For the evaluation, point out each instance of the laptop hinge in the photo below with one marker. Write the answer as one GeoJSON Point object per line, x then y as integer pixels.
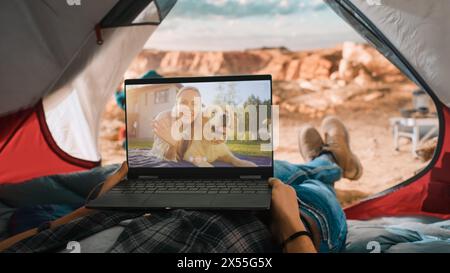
{"type": "Point", "coordinates": [250, 177]}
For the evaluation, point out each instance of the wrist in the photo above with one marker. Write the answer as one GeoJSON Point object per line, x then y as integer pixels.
{"type": "Point", "coordinates": [291, 227]}
{"type": "Point", "coordinates": [299, 242]}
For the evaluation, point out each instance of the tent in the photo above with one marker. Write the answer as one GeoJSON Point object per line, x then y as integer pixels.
{"type": "Point", "coordinates": [61, 61]}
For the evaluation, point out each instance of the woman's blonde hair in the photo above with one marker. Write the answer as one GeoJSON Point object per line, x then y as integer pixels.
{"type": "Point", "coordinates": [183, 145]}
{"type": "Point", "coordinates": [187, 88]}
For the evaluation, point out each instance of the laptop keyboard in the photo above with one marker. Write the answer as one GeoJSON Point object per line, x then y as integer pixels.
{"type": "Point", "coordinates": [142, 186]}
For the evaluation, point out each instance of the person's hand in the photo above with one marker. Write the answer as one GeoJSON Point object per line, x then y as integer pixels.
{"type": "Point", "coordinates": [284, 210]}
{"type": "Point", "coordinates": [115, 178]}
{"type": "Point", "coordinates": [162, 128]}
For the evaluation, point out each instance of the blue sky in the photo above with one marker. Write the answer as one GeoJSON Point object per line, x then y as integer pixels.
{"type": "Point", "coordinates": [243, 24]}
{"type": "Point", "coordinates": [243, 90]}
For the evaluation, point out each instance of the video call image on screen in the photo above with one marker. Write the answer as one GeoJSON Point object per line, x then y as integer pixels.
{"type": "Point", "coordinates": [201, 124]}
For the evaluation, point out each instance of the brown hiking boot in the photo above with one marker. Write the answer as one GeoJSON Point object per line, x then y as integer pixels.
{"type": "Point", "coordinates": [310, 142]}
{"type": "Point", "coordinates": [337, 142]}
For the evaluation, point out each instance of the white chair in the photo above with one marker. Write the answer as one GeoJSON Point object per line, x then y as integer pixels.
{"type": "Point", "coordinates": [418, 130]}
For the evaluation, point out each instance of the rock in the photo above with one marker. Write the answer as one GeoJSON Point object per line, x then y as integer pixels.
{"type": "Point", "coordinates": [293, 70]}
{"type": "Point", "coordinates": [360, 56]}
{"type": "Point", "coordinates": [425, 151]}
{"type": "Point", "coordinates": [208, 63]}
{"type": "Point", "coordinates": [308, 85]}
{"type": "Point", "coordinates": [394, 78]}
{"type": "Point", "coordinates": [342, 63]}
{"type": "Point", "coordinates": [290, 107]}
{"type": "Point", "coordinates": [335, 75]}
{"type": "Point", "coordinates": [276, 99]}
{"type": "Point", "coordinates": [363, 79]}
{"type": "Point", "coordinates": [346, 71]}
{"type": "Point", "coordinates": [341, 83]}
{"type": "Point", "coordinates": [315, 67]}
{"type": "Point", "coordinates": [277, 65]}
{"type": "Point", "coordinates": [356, 53]}
{"type": "Point", "coordinates": [373, 96]}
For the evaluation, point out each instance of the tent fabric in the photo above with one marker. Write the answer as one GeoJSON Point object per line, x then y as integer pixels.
{"type": "Point", "coordinates": [40, 40]}
{"type": "Point", "coordinates": [47, 43]}
{"type": "Point", "coordinates": [399, 235]}
{"type": "Point", "coordinates": [56, 79]}
{"type": "Point", "coordinates": [78, 105]}
{"type": "Point", "coordinates": [420, 31]}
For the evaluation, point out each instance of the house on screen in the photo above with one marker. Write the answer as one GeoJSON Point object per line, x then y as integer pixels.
{"type": "Point", "coordinates": [144, 103]}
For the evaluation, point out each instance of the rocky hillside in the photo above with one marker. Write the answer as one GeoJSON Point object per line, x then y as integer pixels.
{"type": "Point", "coordinates": [307, 82]}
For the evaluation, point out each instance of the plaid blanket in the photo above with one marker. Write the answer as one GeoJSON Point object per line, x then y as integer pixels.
{"type": "Point", "coordinates": [170, 231]}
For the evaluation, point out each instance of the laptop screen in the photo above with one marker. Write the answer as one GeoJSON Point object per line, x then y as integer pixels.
{"type": "Point", "coordinates": [199, 123]}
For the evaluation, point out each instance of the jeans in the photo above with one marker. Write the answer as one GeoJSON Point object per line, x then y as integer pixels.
{"type": "Point", "coordinates": [314, 184]}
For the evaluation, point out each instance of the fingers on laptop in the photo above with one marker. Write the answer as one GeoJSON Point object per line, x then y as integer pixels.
{"type": "Point", "coordinates": [274, 182]}
{"type": "Point", "coordinates": [123, 168]}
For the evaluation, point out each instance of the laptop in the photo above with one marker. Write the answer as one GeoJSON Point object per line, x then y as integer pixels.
{"type": "Point", "coordinates": [202, 143]}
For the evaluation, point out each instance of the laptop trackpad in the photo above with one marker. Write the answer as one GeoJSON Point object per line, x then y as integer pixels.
{"type": "Point", "coordinates": [233, 201]}
{"type": "Point", "coordinates": [178, 201]}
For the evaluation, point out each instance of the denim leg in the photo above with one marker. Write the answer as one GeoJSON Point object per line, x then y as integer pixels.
{"type": "Point", "coordinates": [322, 168]}
{"type": "Point", "coordinates": [314, 185]}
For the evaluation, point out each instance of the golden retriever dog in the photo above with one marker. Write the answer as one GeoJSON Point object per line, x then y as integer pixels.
{"type": "Point", "coordinates": [202, 153]}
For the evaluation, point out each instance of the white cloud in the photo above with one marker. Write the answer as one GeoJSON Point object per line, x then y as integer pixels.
{"type": "Point", "coordinates": [250, 24]}
{"type": "Point", "coordinates": [243, 8]}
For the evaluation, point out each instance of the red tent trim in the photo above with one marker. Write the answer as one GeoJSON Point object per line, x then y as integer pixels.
{"type": "Point", "coordinates": [28, 149]}
{"type": "Point", "coordinates": [10, 126]}
{"type": "Point", "coordinates": [87, 164]}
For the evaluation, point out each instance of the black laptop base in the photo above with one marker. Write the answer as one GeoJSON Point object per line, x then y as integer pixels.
{"type": "Point", "coordinates": [182, 201]}
{"type": "Point", "coordinates": [142, 194]}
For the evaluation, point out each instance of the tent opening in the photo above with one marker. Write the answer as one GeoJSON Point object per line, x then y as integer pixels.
{"type": "Point", "coordinates": [396, 127]}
